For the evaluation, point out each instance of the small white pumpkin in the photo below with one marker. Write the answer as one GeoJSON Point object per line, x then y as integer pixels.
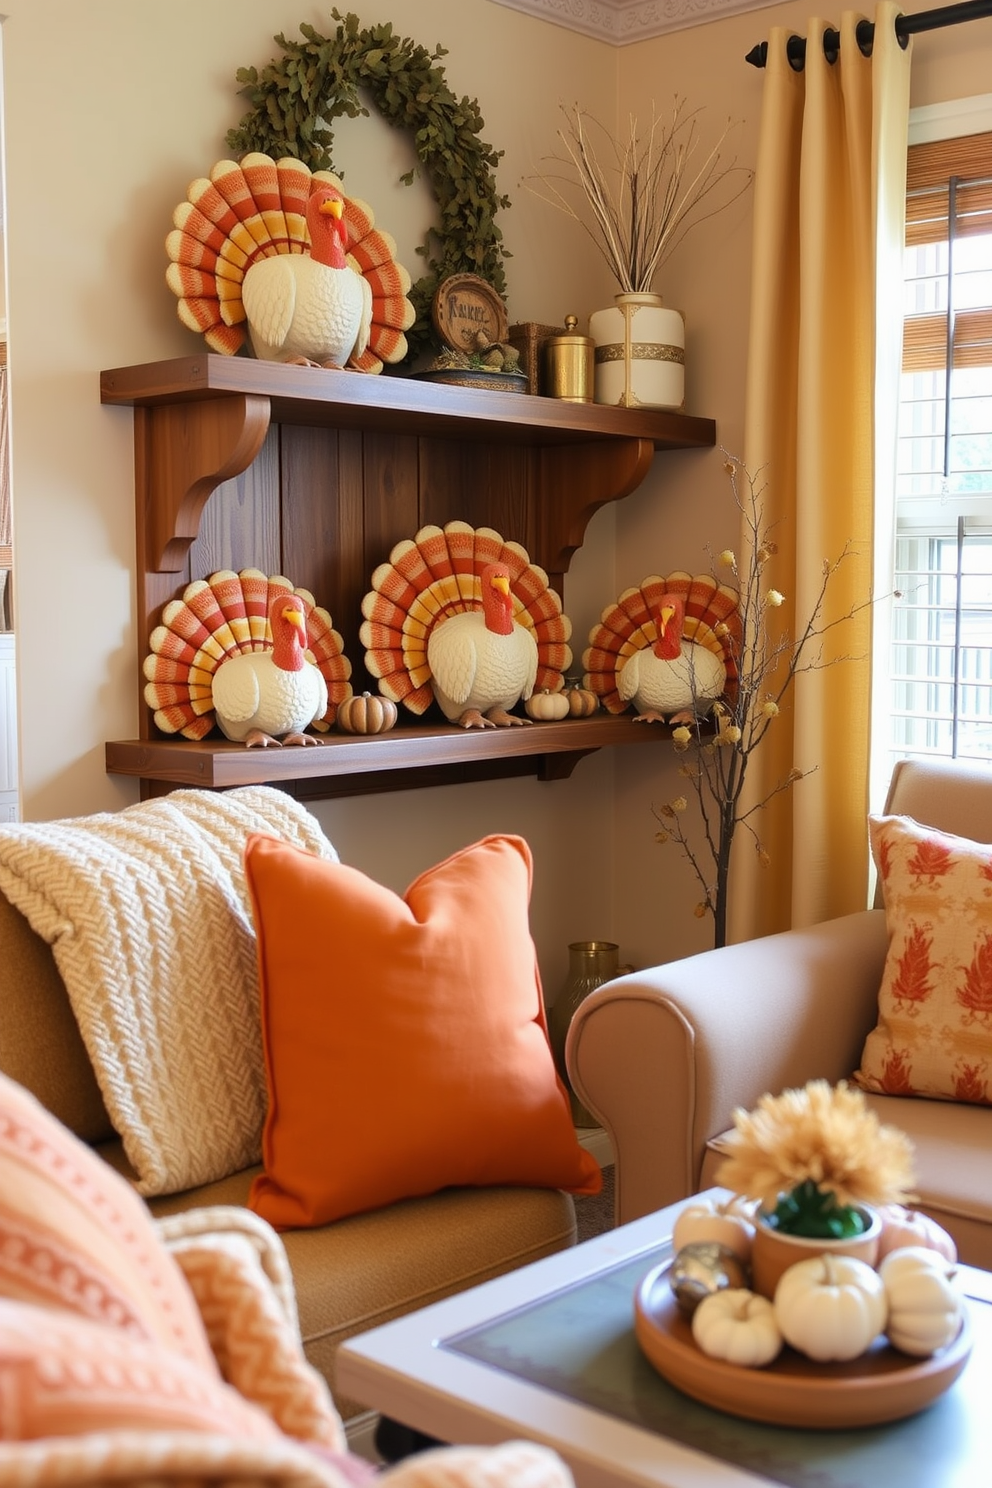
{"type": "Point", "coordinates": [901, 1226]}
{"type": "Point", "coordinates": [739, 1326]}
{"type": "Point", "coordinates": [720, 1223]}
{"type": "Point", "coordinates": [830, 1307]}
{"type": "Point", "coordinates": [925, 1308]}
{"type": "Point", "coordinates": [546, 706]}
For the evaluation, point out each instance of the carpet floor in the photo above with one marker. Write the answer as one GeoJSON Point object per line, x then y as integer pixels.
{"type": "Point", "coordinates": [594, 1216]}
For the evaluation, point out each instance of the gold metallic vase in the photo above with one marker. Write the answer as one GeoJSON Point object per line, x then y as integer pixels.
{"type": "Point", "coordinates": [590, 964]}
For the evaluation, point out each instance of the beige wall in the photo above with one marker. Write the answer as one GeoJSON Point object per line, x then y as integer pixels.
{"type": "Point", "coordinates": [103, 132]}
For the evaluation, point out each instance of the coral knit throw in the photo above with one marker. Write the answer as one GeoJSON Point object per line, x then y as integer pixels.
{"type": "Point", "coordinates": [148, 917]}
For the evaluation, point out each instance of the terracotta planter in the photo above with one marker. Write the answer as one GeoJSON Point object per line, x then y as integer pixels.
{"type": "Point", "coordinates": [773, 1252]}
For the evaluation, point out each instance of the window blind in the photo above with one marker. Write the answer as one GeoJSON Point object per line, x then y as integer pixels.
{"type": "Point", "coordinates": [941, 642]}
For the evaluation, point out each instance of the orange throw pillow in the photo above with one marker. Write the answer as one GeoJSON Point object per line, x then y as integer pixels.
{"type": "Point", "coordinates": [405, 1040]}
{"type": "Point", "coordinates": [934, 1033]}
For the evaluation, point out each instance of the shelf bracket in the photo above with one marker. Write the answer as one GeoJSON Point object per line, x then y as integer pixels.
{"type": "Point", "coordinates": [576, 481]}
{"type": "Point", "coordinates": [182, 452]}
{"type": "Point", "coordinates": [560, 766]}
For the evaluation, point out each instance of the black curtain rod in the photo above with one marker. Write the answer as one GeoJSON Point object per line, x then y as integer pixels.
{"type": "Point", "coordinates": [906, 26]}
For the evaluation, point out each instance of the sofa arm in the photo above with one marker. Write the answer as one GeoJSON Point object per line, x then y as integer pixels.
{"type": "Point", "coordinates": [662, 1057]}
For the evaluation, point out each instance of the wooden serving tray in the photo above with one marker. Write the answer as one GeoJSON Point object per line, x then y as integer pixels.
{"type": "Point", "coordinates": [881, 1385]}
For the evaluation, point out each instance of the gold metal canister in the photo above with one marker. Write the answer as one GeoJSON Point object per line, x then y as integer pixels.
{"type": "Point", "coordinates": [569, 366]}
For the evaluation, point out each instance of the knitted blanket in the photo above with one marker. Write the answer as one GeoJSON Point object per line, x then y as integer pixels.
{"type": "Point", "coordinates": [271, 1424]}
{"type": "Point", "coordinates": [149, 919]}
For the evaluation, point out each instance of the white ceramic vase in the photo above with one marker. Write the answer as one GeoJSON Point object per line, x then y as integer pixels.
{"type": "Point", "coordinates": [640, 353]}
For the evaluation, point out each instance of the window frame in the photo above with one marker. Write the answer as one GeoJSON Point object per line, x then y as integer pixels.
{"type": "Point", "coordinates": [932, 529]}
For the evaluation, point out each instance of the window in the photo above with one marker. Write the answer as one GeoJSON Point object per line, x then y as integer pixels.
{"type": "Point", "coordinates": [941, 648]}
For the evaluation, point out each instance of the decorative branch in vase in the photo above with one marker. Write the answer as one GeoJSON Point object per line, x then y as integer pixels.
{"type": "Point", "coordinates": [639, 204]}
{"type": "Point", "coordinates": [768, 661]}
{"type": "Point", "coordinates": [637, 197]}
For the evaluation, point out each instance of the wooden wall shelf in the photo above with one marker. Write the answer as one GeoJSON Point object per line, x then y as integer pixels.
{"type": "Point", "coordinates": [349, 465]}
{"type": "Point", "coordinates": [342, 763]}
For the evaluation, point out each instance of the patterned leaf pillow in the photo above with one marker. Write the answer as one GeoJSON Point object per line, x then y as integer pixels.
{"type": "Point", "coordinates": [934, 1032]}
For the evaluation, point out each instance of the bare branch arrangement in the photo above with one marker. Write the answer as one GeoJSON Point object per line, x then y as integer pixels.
{"type": "Point", "coordinates": [768, 662]}
{"type": "Point", "coordinates": [643, 194]}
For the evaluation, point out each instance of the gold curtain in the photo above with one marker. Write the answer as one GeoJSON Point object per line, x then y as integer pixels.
{"type": "Point", "coordinates": [832, 150]}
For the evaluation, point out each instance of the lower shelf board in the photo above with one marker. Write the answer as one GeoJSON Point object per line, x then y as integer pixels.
{"type": "Point", "coordinates": [412, 755]}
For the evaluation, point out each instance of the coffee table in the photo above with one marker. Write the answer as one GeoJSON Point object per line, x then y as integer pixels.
{"type": "Point", "coordinates": [548, 1353]}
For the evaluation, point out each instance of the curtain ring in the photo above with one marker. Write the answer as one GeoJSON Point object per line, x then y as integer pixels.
{"type": "Point", "coordinates": [795, 51]}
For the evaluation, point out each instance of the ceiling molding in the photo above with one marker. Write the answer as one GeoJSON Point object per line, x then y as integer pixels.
{"type": "Point", "coordinates": [621, 22]}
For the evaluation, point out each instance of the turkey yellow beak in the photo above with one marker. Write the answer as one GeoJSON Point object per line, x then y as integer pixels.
{"type": "Point", "coordinates": [332, 208]}
{"type": "Point", "coordinates": [295, 617]}
{"type": "Point", "coordinates": [501, 582]}
{"type": "Point", "coordinates": [667, 612]}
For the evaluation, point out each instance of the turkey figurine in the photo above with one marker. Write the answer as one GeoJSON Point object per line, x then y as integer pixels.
{"type": "Point", "coordinates": [310, 308]}
{"type": "Point", "coordinates": [270, 697]}
{"type": "Point", "coordinates": [667, 647]}
{"type": "Point", "coordinates": [249, 654]}
{"type": "Point", "coordinates": [482, 661]}
{"type": "Point", "coordinates": [461, 618]}
{"type": "Point", "coordinates": [268, 250]}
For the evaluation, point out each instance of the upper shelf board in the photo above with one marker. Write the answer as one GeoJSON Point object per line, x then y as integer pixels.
{"type": "Point", "coordinates": [339, 399]}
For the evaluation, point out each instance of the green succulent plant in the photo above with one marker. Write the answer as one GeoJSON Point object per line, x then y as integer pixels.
{"type": "Point", "coordinates": [808, 1210]}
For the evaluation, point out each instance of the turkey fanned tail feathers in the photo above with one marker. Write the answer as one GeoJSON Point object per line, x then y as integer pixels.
{"type": "Point", "coordinates": [247, 212]}
{"type": "Point", "coordinates": [436, 577]}
{"type": "Point", "coordinates": [621, 645]}
{"type": "Point", "coordinates": [223, 617]}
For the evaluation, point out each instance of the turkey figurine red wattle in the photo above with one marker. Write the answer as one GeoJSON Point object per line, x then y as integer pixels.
{"type": "Point", "coordinates": [669, 680]}
{"type": "Point", "coordinates": [482, 662]}
{"type": "Point", "coordinates": [462, 618]}
{"type": "Point", "coordinates": [667, 646]}
{"type": "Point", "coordinates": [270, 697]}
{"type": "Point", "coordinates": [671, 618]}
{"type": "Point", "coordinates": [310, 308]}
{"type": "Point", "coordinates": [269, 250]}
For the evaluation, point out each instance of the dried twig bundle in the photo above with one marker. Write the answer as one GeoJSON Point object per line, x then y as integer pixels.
{"type": "Point", "coordinates": [768, 661]}
{"type": "Point", "coordinates": [644, 193]}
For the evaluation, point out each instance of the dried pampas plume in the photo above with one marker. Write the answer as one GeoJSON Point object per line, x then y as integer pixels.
{"type": "Point", "coordinates": [825, 1135]}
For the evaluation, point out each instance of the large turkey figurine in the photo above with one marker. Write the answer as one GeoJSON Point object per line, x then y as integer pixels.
{"type": "Point", "coordinates": [482, 661]}
{"type": "Point", "coordinates": [269, 250]}
{"type": "Point", "coordinates": [461, 618]}
{"type": "Point", "coordinates": [271, 697]}
{"type": "Point", "coordinates": [667, 646]}
{"type": "Point", "coordinates": [250, 654]}
{"type": "Point", "coordinates": [311, 308]}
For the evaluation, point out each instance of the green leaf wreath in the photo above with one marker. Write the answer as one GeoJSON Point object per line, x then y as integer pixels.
{"type": "Point", "coordinates": [296, 98]}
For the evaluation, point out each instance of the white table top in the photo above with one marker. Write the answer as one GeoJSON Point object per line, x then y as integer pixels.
{"type": "Point", "coordinates": [411, 1370]}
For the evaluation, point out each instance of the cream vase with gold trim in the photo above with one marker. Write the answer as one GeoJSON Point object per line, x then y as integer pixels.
{"type": "Point", "coordinates": [640, 353]}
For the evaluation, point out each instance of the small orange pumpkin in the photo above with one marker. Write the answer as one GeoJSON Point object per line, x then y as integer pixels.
{"type": "Point", "coordinates": [546, 706]}
{"type": "Point", "coordinates": [366, 714]}
{"type": "Point", "coordinates": [581, 701]}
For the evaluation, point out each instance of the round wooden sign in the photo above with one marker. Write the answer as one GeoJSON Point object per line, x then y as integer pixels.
{"type": "Point", "coordinates": [463, 306]}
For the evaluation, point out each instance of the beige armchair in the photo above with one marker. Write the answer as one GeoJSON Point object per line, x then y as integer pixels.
{"type": "Point", "coordinates": [663, 1056]}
